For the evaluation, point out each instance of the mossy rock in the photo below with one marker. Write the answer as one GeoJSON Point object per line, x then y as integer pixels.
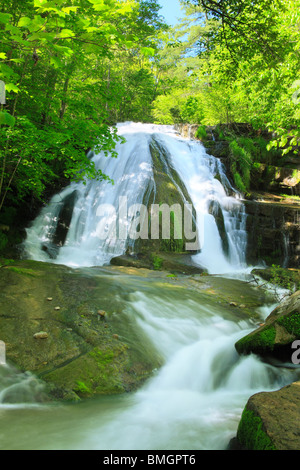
{"type": "Point", "coordinates": [80, 353]}
{"type": "Point", "coordinates": [171, 195]}
{"type": "Point", "coordinates": [270, 420]}
{"type": "Point", "coordinates": [275, 337]}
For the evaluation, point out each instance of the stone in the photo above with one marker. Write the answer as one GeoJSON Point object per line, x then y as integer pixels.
{"type": "Point", "coordinates": [41, 335]}
{"type": "Point", "coordinates": [102, 313]}
{"type": "Point", "coordinates": [270, 420]}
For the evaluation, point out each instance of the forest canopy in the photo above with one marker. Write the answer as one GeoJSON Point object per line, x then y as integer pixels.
{"type": "Point", "coordinates": [74, 68]}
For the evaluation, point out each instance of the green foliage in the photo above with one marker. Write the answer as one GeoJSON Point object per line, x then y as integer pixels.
{"type": "Point", "coordinates": [70, 72]}
{"type": "Point", "coordinates": [201, 133]}
{"type": "Point", "coordinates": [284, 278]}
{"type": "Point", "coordinates": [157, 262]}
{"type": "Point", "coordinates": [239, 62]}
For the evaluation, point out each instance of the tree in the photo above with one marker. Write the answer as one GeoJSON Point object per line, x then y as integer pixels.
{"type": "Point", "coordinates": [58, 63]}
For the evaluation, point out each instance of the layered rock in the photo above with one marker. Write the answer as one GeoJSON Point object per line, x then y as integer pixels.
{"type": "Point", "coordinates": [273, 231]}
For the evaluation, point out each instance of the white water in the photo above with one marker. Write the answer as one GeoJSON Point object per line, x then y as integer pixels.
{"type": "Point", "coordinates": [193, 402]}
{"type": "Point", "coordinates": [133, 177]}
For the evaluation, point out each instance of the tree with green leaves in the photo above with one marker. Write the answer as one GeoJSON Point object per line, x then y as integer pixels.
{"type": "Point", "coordinates": [60, 62]}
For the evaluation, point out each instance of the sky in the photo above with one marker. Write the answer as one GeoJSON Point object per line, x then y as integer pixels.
{"type": "Point", "coordinates": [170, 10]}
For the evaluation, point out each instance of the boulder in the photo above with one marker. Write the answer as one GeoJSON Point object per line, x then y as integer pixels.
{"type": "Point", "coordinates": [270, 421]}
{"type": "Point", "coordinates": [79, 349]}
{"type": "Point", "coordinates": [275, 337]}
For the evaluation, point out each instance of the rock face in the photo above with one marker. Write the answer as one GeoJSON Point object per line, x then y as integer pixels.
{"type": "Point", "coordinates": [270, 420]}
{"type": "Point", "coordinates": [273, 221]}
{"type": "Point", "coordinates": [276, 336]}
{"type": "Point", "coordinates": [273, 231]}
{"type": "Point", "coordinates": [74, 349]}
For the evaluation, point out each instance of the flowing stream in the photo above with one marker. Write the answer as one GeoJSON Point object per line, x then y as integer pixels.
{"type": "Point", "coordinates": [195, 400]}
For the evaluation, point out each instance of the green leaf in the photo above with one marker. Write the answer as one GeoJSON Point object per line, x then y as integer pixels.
{"type": "Point", "coordinates": [24, 22]}
{"type": "Point", "coordinates": [147, 51]}
{"type": "Point", "coordinates": [66, 33]}
{"type": "Point", "coordinates": [12, 87]}
{"type": "Point", "coordinates": [7, 119]}
{"type": "Point", "coordinates": [5, 17]}
{"type": "Point", "coordinates": [69, 9]}
{"type": "Point", "coordinates": [3, 55]}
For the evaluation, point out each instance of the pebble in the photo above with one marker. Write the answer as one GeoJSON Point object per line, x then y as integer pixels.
{"type": "Point", "coordinates": [49, 299]}
{"type": "Point", "coordinates": [41, 335]}
{"type": "Point", "coordinates": [102, 313]}
{"type": "Point", "coordinates": [56, 308]}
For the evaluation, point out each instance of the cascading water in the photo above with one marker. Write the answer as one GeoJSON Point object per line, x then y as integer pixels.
{"type": "Point", "coordinates": [193, 402]}
{"type": "Point", "coordinates": [220, 214]}
{"type": "Point", "coordinates": [196, 399]}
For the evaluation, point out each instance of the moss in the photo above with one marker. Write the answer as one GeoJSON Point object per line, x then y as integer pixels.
{"type": "Point", "coordinates": [82, 389]}
{"type": "Point", "coordinates": [261, 341]}
{"type": "Point", "coordinates": [251, 434]}
{"type": "Point", "coordinates": [291, 323]}
{"type": "Point", "coordinates": [27, 272]}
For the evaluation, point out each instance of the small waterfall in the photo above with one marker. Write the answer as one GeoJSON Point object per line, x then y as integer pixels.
{"type": "Point", "coordinates": [67, 229]}
{"type": "Point", "coordinates": [19, 389]}
{"type": "Point", "coordinates": [196, 399]}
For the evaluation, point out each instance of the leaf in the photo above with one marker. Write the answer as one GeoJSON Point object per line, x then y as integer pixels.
{"type": "Point", "coordinates": [69, 9]}
{"type": "Point", "coordinates": [24, 22]}
{"type": "Point", "coordinates": [66, 33]}
{"type": "Point", "coordinates": [12, 87]}
{"type": "Point", "coordinates": [147, 51]}
{"type": "Point", "coordinates": [3, 55]}
{"type": "Point", "coordinates": [7, 119]}
{"type": "Point", "coordinates": [5, 17]}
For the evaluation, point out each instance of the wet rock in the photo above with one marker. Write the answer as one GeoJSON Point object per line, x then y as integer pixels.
{"type": "Point", "coordinates": [275, 337]}
{"type": "Point", "coordinates": [41, 335]}
{"type": "Point", "coordinates": [50, 344]}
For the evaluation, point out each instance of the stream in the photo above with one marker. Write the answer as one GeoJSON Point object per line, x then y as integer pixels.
{"type": "Point", "coordinates": [195, 400]}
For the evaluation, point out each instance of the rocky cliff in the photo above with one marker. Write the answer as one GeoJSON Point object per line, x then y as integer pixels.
{"type": "Point", "coordinates": [272, 203]}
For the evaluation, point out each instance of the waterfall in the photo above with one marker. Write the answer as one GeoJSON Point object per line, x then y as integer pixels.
{"type": "Point", "coordinates": [67, 229]}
